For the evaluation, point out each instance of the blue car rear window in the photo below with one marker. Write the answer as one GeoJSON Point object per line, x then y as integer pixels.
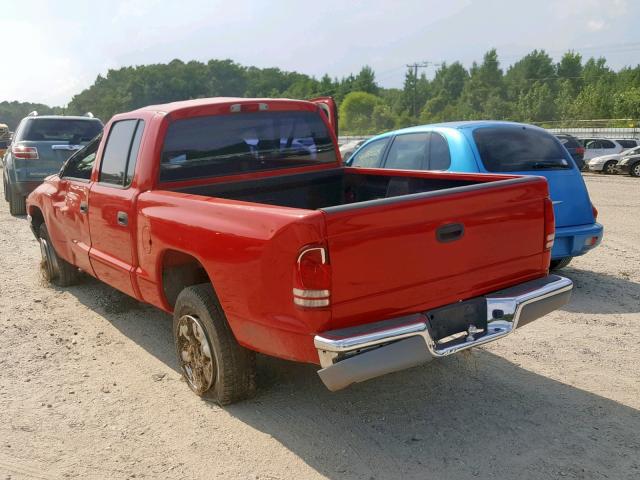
{"type": "Point", "coordinates": [509, 149]}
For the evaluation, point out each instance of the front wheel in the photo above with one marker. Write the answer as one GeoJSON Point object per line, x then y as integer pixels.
{"type": "Point", "coordinates": [609, 168]}
{"type": "Point", "coordinates": [560, 263]}
{"type": "Point", "coordinates": [635, 170]}
{"type": "Point", "coordinates": [213, 364]}
{"type": "Point", "coordinates": [55, 270]}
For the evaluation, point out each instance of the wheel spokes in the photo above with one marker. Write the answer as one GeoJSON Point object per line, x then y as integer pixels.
{"type": "Point", "coordinates": [195, 354]}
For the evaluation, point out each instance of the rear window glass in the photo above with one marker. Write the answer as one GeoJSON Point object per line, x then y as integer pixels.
{"type": "Point", "coordinates": [244, 142]}
{"type": "Point", "coordinates": [628, 143]}
{"type": "Point", "coordinates": [60, 130]}
{"type": "Point", "coordinates": [519, 149]}
{"type": "Point", "coordinates": [569, 142]}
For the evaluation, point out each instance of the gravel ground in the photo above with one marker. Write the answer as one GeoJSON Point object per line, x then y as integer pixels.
{"type": "Point", "coordinates": [89, 388]}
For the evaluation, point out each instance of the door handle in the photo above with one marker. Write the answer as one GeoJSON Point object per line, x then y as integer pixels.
{"type": "Point", "coordinates": [84, 207]}
{"type": "Point", "coordinates": [450, 232]}
{"type": "Point", "coordinates": [123, 219]}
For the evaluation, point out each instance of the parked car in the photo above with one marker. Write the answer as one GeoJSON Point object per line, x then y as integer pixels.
{"type": "Point", "coordinates": [497, 147]}
{"type": "Point", "coordinates": [574, 147]}
{"type": "Point", "coordinates": [5, 138]}
{"type": "Point", "coordinates": [39, 147]}
{"type": "Point", "coordinates": [629, 165]}
{"type": "Point", "coordinates": [607, 163]}
{"type": "Point", "coordinates": [597, 147]}
{"type": "Point", "coordinates": [348, 148]}
{"type": "Point", "coordinates": [266, 247]}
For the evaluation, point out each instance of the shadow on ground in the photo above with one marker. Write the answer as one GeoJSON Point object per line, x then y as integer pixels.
{"type": "Point", "coordinates": [467, 416]}
{"type": "Point", "coordinates": [594, 291]}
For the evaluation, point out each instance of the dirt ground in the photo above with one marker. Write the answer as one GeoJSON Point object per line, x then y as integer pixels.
{"type": "Point", "coordinates": [89, 388]}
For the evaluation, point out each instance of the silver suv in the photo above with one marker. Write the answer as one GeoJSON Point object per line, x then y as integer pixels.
{"type": "Point", "coordinates": [40, 145]}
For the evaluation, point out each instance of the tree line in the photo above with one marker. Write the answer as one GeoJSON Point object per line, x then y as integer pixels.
{"type": "Point", "coordinates": [534, 89]}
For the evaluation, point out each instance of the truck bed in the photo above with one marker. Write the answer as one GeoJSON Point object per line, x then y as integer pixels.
{"type": "Point", "coordinates": [386, 233]}
{"type": "Point", "coordinates": [329, 189]}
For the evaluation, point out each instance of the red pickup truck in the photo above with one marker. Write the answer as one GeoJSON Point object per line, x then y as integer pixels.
{"type": "Point", "coordinates": [237, 216]}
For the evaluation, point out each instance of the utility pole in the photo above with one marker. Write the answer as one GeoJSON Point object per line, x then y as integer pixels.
{"type": "Point", "coordinates": [415, 67]}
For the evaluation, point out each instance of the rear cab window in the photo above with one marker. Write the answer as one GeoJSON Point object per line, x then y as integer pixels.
{"type": "Point", "coordinates": [516, 149]}
{"type": "Point", "coordinates": [220, 145]}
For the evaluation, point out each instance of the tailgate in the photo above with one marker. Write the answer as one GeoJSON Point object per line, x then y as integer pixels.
{"type": "Point", "coordinates": [409, 254]}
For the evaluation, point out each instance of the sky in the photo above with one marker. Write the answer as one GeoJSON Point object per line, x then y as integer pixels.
{"type": "Point", "coordinates": [55, 49]}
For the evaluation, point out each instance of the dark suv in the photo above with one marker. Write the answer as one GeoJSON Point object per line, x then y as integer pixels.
{"type": "Point", "coordinates": [575, 148]}
{"type": "Point", "coordinates": [39, 147]}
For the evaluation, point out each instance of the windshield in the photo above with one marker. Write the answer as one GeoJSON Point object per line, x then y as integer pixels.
{"type": "Point", "coordinates": [509, 149]}
{"type": "Point", "coordinates": [244, 142]}
{"type": "Point", "coordinates": [631, 151]}
{"type": "Point", "coordinates": [60, 130]}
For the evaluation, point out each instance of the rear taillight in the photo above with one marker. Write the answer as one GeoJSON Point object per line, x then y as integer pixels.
{"type": "Point", "coordinates": [595, 212]}
{"type": "Point", "coordinates": [580, 150]}
{"type": "Point", "coordinates": [549, 225]}
{"type": "Point", "coordinates": [312, 278]}
{"type": "Point", "coordinates": [24, 153]}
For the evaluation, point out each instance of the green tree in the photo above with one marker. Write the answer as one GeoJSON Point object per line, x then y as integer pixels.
{"type": "Point", "coordinates": [356, 112]}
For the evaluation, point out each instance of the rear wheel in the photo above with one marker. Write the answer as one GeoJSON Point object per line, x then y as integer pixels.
{"type": "Point", "coordinates": [560, 263]}
{"type": "Point", "coordinates": [5, 184]}
{"type": "Point", "coordinates": [609, 167]}
{"type": "Point", "coordinates": [635, 170]}
{"type": "Point", "coordinates": [213, 364]}
{"type": "Point", "coordinates": [17, 205]}
{"type": "Point", "coordinates": [55, 270]}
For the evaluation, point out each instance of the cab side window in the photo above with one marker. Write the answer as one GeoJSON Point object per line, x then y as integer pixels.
{"type": "Point", "coordinates": [408, 152]}
{"type": "Point", "coordinates": [370, 156]}
{"type": "Point", "coordinates": [439, 157]}
{"type": "Point", "coordinates": [120, 153]}
{"type": "Point", "coordinates": [80, 165]}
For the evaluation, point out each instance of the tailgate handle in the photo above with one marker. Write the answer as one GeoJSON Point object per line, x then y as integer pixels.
{"type": "Point", "coordinates": [84, 207]}
{"type": "Point", "coordinates": [450, 232]}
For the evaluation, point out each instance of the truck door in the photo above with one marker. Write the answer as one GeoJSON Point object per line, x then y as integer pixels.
{"type": "Point", "coordinates": [112, 207]}
{"type": "Point", "coordinates": [330, 109]}
{"type": "Point", "coordinates": [70, 207]}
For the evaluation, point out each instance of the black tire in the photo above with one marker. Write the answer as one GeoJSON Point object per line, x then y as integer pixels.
{"type": "Point", "coordinates": [560, 263]}
{"type": "Point", "coordinates": [17, 204]}
{"type": "Point", "coordinates": [55, 270]}
{"type": "Point", "coordinates": [634, 170]}
{"type": "Point", "coordinates": [5, 185]}
{"type": "Point", "coordinates": [232, 367]}
{"type": "Point", "coordinates": [608, 168]}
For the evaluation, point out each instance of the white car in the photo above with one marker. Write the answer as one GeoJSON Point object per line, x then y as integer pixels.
{"type": "Point", "coordinates": [597, 147]}
{"type": "Point", "coordinates": [607, 163]}
{"type": "Point", "coordinates": [349, 148]}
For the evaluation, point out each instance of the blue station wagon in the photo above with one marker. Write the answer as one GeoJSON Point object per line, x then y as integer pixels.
{"type": "Point", "coordinates": [496, 147]}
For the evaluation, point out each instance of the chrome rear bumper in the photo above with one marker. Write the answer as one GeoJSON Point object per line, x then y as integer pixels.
{"type": "Point", "coordinates": [359, 353]}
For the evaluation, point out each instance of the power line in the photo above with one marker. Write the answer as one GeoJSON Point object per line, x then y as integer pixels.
{"type": "Point", "coordinates": [415, 67]}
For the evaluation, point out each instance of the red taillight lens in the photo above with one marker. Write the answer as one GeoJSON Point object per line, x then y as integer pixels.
{"type": "Point", "coordinates": [549, 225]}
{"type": "Point", "coordinates": [580, 150]}
{"type": "Point", "coordinates": [595, 212]}
{"type": "Point", "coordinates": [312, 278]}
{"type": "Point", "coordinates": [24, 153]}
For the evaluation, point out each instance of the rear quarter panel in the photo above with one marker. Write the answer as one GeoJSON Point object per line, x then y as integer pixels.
{"type": "Point", "coordinates": [249, 252]}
